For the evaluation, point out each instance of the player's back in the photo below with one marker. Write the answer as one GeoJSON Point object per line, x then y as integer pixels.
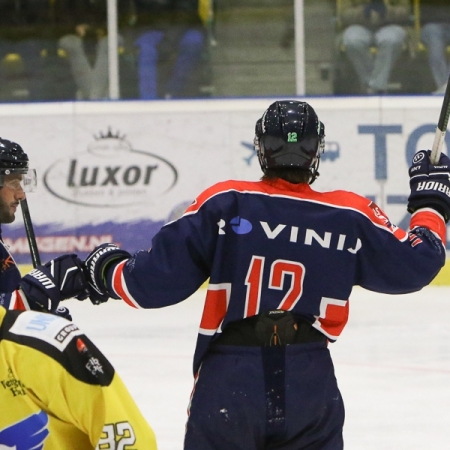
{"type": "Point", "coordinates": [285, 246]}
{"type": "Point", "coordinates": [275, 245]}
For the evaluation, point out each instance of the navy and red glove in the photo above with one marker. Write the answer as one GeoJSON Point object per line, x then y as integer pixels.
{"type": "Point", "coordinates": [96, 267]}
{"type": "Point", "coordinates": [59, 279]}
{"type": "Point", "coordinates": [430, 184]}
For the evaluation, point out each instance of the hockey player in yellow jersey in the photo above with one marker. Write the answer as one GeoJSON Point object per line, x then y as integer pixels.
{"type": "Point", "coordinates": [59, 392]}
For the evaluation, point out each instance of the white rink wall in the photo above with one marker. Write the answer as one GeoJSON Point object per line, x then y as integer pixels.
{"type": "Point", "coordinates": [117, 171]}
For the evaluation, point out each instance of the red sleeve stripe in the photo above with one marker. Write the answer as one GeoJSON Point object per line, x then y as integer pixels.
{"type": "Point", "coordinates": [215, 309]}
{"type": "Point", "coordinates": [333, 317]}
{"type": "Point", "coordinates": [400, 234]}
{"type": "Point", "coordinates": [431, 219]}
{"type": "Point", "coordinates": [19, 301]}
{"type": "Point", "coordinates": [120, 287]}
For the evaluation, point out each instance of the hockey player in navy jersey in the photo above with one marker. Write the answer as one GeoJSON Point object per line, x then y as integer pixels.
{"type": "Point", "coordinates": [281, 259]}
{"type": "Point", "coordinates": [44, 287]}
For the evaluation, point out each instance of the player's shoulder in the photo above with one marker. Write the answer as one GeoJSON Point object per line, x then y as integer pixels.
{"type": "Point", "coordinates": [34, 326]}
{"type": "Point", "coordinates": [57, 338]}
{"type": "Point", "coordinates": [347, 199]}
{"type": "Point", "coordinates": [223, 188]}
{"type": "Point", "coordinates": [365, 208]}
{"type": "Point", "coordinates": [352, 201]}
{"type": "Point", "coordinates": [233, 185]}
{"type": "Point", "coordinates": [8, 267]}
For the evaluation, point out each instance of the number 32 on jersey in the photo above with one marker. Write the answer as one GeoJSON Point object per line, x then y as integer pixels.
{"type": "Point", "coordinates": [116, 436]}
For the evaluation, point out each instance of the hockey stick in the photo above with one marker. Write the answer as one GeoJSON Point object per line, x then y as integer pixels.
{"type": "Point", "coordinates": [35, 258]}
{"type": "Point", "coordinates": [441, 127]}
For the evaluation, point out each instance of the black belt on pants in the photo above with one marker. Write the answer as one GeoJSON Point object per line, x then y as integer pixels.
{"type": "Point", "coordinates": [271, 328]}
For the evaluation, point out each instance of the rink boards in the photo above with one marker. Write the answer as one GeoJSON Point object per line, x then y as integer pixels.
{"type": "Point", "coordinates": [117, 171]}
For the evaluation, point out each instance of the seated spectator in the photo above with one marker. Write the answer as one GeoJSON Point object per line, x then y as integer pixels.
{"type": "Point", "coordinates": [378, 23]}
{"type": "Point", "coordinates": [170, 39]}
{"type": "Point", "coordinates": [86, 49]}
{"type": "Point", "coordinates": [30, 69]}
{"type": "Point", "coordinates": [58, 391]}
{"type": "Point", "coordinates": [87, 53]}
{"type": "Point", "coordinates": [435, 24]}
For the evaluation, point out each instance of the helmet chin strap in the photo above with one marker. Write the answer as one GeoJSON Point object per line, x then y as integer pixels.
{"type": "Point", "coordinates": [314, 171]}
{"type": "Point", "coordinates": [314, 177]}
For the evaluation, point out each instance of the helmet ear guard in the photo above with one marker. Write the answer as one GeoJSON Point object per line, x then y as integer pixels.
{"type": "Point", "coordinates": [256, 141]}
{"type": "Point", "coordinates": [315, 168]}
{"type": "Point", "coordinates": [258, 127]}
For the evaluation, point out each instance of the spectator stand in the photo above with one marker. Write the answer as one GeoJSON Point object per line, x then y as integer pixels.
{"type": "Point", "coordinates": [410, 74]}
{"type": "Point", "coordinates": [29, 65]}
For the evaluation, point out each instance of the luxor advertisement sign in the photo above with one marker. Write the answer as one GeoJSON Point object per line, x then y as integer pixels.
{"type": "Point", "coordinates": [110, 174]}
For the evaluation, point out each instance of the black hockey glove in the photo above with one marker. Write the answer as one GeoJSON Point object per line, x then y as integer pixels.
{"type": "Point", "coordinates": [96, 266]}
{"type": "Point", "coordinates": [430, 184]}
{"type": "Point", "coordinates": [59, 279]}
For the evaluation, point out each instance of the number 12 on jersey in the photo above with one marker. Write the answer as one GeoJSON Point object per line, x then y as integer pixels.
{"type": "Point", "coordinates": [281, 272]}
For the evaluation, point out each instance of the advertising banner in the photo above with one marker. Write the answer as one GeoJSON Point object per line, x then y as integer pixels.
{"type": "Point", "coordinates": [118, 171]}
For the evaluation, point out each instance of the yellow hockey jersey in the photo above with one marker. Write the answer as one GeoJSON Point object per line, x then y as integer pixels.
{"type": "Point", "coordinates": [59, 392]}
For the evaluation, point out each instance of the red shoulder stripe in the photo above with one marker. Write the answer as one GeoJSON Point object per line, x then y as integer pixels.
{"type": "Point", "coordinates": [302, 192]}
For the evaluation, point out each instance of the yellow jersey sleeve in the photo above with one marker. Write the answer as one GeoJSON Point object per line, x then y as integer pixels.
{"type": "Point", "coordinates": [60, 391]}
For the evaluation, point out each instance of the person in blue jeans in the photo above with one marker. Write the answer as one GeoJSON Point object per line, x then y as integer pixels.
{"type": "Point", "coordinates": [170, 38]}
{"type": "Point", "coordinates": [435, 34]}
{"type": "Point", "coordinates": [374, 23]}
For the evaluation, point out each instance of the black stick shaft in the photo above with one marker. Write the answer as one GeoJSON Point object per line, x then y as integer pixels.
{"type": "Point", "coordinates": [35, 258]}
{"type": "Point", "coordinates": [441, 129]}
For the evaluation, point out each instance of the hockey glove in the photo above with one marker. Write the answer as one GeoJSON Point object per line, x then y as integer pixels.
{"type": "Point", "coordinates": [59, 279]}
{"type": "Point", "coordinates": [96, 266]}
{"type": "Point", "coordinates": [430, 184]}
{"type": "Point", "coordinates": [63, 312]}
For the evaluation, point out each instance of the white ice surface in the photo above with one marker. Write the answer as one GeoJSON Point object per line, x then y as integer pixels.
{"type": "Point", "coordinates": [392, 364]}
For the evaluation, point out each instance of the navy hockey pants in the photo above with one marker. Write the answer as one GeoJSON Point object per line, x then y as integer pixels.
{"type": "Point", "coordinates": [264, 398]}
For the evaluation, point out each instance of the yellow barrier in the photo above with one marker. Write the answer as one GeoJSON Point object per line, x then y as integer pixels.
{"type": "Point", "coordinates": [443, 277]}
{"type": "Point", "coordinates": [25, 268]}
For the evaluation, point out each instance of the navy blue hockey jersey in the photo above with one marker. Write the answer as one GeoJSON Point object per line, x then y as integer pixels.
{"type": "Point", "coordinates": [276, 245]}
{"type": "Point", "coordinates": [10, 276]}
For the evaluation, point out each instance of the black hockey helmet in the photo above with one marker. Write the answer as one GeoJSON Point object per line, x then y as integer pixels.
{"type": "Point", "coordinates": [289, 134]}
{"type": "Point", "coordinates": [12, 159]}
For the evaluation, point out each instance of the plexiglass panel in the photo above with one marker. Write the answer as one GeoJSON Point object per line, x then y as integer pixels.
{"type": "Point", "coordinates": [53, 50]}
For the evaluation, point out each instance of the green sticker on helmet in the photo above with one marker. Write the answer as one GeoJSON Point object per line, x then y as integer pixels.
{"type": "Point", "coordinates": [292, 137]}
